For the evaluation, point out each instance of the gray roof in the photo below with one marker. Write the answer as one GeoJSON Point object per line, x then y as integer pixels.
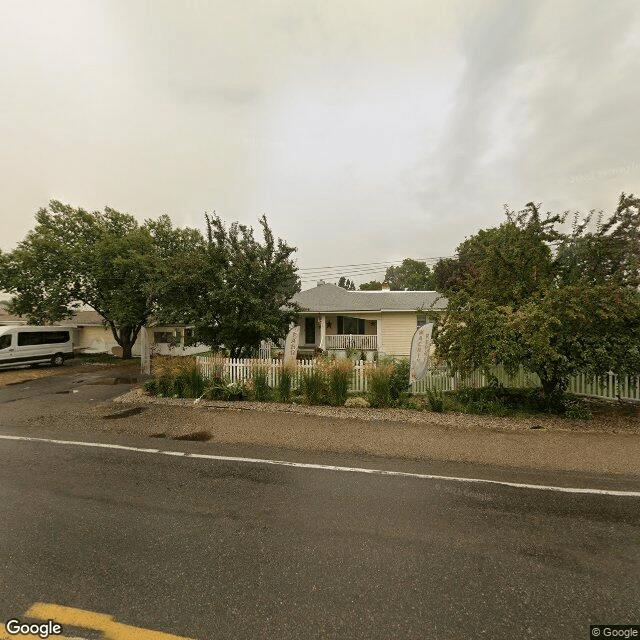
{"type": "Point", "coordinates": [329, 297]}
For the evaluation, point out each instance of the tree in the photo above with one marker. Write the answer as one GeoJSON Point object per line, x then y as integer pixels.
{"type": "Point", "coordinates": [105, 260]}
{"type": "Point", "coordinates": [525, 293]}
{"type": "Point", "coordinates": [412, 275]}
{"type": "Point", "coordinates": [373, 285]}
{"type": "Point", "coordinates": [234, 289]}
{"type": "Point", "coordinates": [347, 284]}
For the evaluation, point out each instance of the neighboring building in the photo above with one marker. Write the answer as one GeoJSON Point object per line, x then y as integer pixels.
{"type": "Point", "coordinates": [334, 319]}
{"type": "Point", "coordinates": [7, 318]}
{"type": "Point", "coordinates": [91, 336]}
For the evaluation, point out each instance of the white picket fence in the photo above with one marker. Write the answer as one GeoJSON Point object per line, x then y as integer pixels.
{"type": "Point", "coordinates": [240, 369]}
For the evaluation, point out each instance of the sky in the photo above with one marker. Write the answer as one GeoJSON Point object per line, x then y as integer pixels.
{"type": "Point", "coordinates": [366, 130]}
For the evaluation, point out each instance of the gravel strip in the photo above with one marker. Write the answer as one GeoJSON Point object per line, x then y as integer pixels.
{"type": "Point", "coordinates": [450, 420]}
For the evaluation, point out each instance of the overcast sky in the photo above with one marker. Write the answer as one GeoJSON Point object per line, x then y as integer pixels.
{"type": "Point", "coordinates": [367, 131]}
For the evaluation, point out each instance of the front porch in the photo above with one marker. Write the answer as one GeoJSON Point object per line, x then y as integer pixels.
{"type": "Point", "coordinates": [335, 332]}
{"type": "Point", "coordinates": [352, 341]}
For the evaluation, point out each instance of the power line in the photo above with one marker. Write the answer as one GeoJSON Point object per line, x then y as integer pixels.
{"type": "Point", "coordinates": [371, 264]}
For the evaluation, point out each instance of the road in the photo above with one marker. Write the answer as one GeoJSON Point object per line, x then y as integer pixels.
{"type": "Point", "coordinates": [215, 549]}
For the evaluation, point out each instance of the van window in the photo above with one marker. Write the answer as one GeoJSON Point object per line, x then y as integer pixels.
{"type": "Point", "coordinates": [5, 341]}
{"type": "Point", "coordinates": [42, 337]}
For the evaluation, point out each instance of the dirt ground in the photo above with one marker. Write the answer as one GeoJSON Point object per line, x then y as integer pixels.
{"type": "Point", "coordinates": [90, 401]}
{"type": "Point", "coordinates": [525, 443]}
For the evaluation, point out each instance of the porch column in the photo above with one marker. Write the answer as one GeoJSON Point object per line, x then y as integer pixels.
{"type": "Point", "coordinates": [323, 330]}
{"type": "Point", "coordinates": [379, 335]}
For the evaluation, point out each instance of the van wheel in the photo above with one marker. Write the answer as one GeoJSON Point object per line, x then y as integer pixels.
{"type": "Point", "coordinates": [57, 360]}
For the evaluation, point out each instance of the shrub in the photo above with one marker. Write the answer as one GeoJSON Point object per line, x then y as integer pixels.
{"type": "Point", "coordinates": [339, 377]}
{"type": "Point", "coordinates": [150, 386]}
{"type": "Point", "coordinates": [577, 410]}
{"type": "Point", "coordinates": [399, 386]}
{"type": "Point", "coordinates": [501, 401]}
{"type": "Point", "coordinates": [409, 402]}
{"type": "Point", "coordinates": [221, 389]}
{"type": "Point", "coordinates": [353, 353]}
{"type": "Point", "coordinates": [189, 382]}
{"type": "Point", "coordinates": [215, 389]}
{"type": "Point", "coordinates": [379, 385]}
{"type": "Point", "coordinates": [436, 400]}
{"type": "Point", "coordinates": [285, 384]}
{"type": "Point", "coordinates": [357, 401]}
{"type": "Point", "coordinates": [314, 386]}
{"type": "Point", "coordinates": [164, 384]}
{"type": "Point", "coordinates": [235, 391]}
{"type": "Point", "coordinates": [261, 389]}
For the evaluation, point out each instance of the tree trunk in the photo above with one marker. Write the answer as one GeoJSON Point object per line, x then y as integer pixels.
{"type": "Point", "coordinates": [126, 350]}
{"type": "Point", "coordinates": [553, 386]}
{"type": "Point", "coordinates": [126, 337]}
{"type": "Point", "coordinates": [549, 386]}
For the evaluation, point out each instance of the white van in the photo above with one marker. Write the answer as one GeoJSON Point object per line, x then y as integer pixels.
{"type": "Point", "coordinates": [24, 345]}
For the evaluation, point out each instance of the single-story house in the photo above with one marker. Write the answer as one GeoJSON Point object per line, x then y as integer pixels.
{"type": "Point", "coordinates": [89, 335]}
{"type": "Point", "coordinates": [335, 320]}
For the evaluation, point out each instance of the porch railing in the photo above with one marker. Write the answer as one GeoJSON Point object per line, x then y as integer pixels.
{"type": "Point", "coordinates": [351, 342]}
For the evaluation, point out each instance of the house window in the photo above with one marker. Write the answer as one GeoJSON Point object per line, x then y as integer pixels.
{"type": "Point", "coordinates": [163, 337]}
{"type": "Point", "coordinates": [421, 320]}
{"type": "Point", "coordinates": [350, 326]}
{"type": "Point", "coordinates": [310, 330]}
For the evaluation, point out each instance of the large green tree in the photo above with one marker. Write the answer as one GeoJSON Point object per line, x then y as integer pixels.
{"type": "Point", "coordinates": [105, 260]}
{"type": "Point", "coordinates": [372, 285]}
{"type": "Point", "coordinates": [413, 275]}
{"type": "Point", "coordinates": [234, 289]}
{"type": "Point", "coordinates": [557, 303]}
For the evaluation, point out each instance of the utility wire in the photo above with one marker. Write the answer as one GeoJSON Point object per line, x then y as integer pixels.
{"type": "Point", "coordinates": [372, 264]}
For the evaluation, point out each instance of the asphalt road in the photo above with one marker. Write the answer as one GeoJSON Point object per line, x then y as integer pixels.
{"type": "Point", "coordinates": [209, 549]}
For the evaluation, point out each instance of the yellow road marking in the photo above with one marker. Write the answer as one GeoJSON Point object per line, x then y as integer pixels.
{"type": "Point", "coordinates": [94, 621]}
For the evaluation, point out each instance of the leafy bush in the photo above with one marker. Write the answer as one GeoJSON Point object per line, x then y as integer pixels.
{"type": "Point", "coordinates": [314, 387]}
{"type": "Point", "coordinates": [409, 402]}
{"type": "Point", "coordinates": [262, 392]}
{"type": "Point", "coordinates": [353, 353]}
{"type": "Point", "coordinates": [235, 391]}
{"type": "Point", "coordinates": [399, 385]}
{"type": "Point", "coordinates": [379, 385]}
{"type": "Point", "coordinates": [577, 410]}
{"type": "Point", "coordinates": [339, 377]}
{"type": "Point", "coordinates": [436, 400]}
{"type": "Point", "coordinates": [189, 383]}
{"type": "Point", "coordinates": [164, 384]}
{"type": "Point", "coordinates": [284, 384]}
{"type": "Point", "coordinates": [498, 400]}
{"type": "Point", "coordinates": [221, 389]}
{"type": "Point", "coordinates": [150, 387]}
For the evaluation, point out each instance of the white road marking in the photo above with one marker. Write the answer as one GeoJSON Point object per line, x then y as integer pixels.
{"type": "Point", "coordinates": [327, 467]}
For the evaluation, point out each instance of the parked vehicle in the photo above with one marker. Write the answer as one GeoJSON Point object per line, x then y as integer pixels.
{"type": "Point", "coordinates": [25, 345]}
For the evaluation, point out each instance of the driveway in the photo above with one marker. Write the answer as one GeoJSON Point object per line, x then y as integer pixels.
{"type": "Point", "coordinates": [30, 394]}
